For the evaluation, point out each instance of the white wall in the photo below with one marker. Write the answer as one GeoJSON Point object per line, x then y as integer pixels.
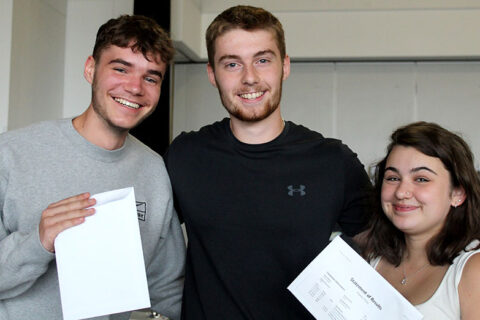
{"type": "Point", "coordinates": [186, 27]}
{"type": "Point", "coordinates": [360, 103]}
{"type": "Point", "coordinates": [6, 10]}
{"type": "Point", "coordinates": [37, 57]}
{"type": "Point", "coordinates": [44, 46]}
{"type": "Point", "coordinates": [84, 17]}
{"type": "Point", "coordinates": [350, 30]}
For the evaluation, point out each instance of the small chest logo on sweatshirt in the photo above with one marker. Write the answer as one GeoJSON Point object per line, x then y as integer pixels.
{"type": "Point", "coordinates": [292, 191]}
{"type": "Point", "coordinates": [141, 210]}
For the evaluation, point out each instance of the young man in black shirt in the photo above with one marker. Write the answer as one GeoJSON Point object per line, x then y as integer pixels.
{"type": "Point", "coordinates": [259, 195]}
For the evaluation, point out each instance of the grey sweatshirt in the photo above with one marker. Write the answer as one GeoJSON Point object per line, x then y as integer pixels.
{"type": "Point", "coordinates": [50, 161]}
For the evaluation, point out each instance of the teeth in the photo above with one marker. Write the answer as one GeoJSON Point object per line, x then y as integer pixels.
{"type": "Point", "coordinates": [253, 95]}
{"type": "Point", "coordinates": [127, 103]}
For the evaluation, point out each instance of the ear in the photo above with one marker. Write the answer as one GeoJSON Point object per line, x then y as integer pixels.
{"type": "Point", "coordinates": [458, 197]}
{"type": "Point", "coordinates": [89, 69]}
{"type": "Point", "coordinates": [211, 75]}
{"type": "Point", "coordinates": [286, 67]}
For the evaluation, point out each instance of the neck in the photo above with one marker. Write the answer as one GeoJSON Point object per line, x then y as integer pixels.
{"type": "Point", "coordinates": [416, 248]}
{"type": "Point", "coordinates": [93, 128]}
{"type": "Point", "coordinates": [258, 132]}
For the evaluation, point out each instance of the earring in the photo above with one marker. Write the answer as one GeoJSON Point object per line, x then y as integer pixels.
{"type": "Point", "coordinates": [458, 203]}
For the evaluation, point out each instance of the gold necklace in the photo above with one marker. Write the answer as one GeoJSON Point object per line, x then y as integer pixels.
{"type": "Point", "coordinates": [404, 279]}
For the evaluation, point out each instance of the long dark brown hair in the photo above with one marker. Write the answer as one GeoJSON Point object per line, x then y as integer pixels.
{"type": "Point", "coordinates": [462, 224]}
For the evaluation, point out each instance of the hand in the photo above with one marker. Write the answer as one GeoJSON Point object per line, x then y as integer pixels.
{"type": "Point", "coordinates": [62, 215]}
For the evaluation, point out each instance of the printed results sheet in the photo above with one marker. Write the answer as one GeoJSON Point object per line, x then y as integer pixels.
{"type": "Point", "coordinates": [339, 285]}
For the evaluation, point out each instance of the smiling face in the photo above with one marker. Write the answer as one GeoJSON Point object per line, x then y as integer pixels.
{"type": "Point", "coordinates": [416, 191]}
{"type": "Point", "coordinates": [248, 73]}
{"type": "Point", "coordinates": [125, 87]}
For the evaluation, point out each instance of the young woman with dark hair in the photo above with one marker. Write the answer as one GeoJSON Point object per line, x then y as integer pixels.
{"type": "Point", "coordinates": [423, 235]}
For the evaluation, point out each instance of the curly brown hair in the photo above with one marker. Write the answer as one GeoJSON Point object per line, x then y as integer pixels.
{"type": "Point", "coordinates": [246, 18]}
{"type": "Point", "coordinates": [462, 224]}
{"type": "Point", "coordinates": [140, 33]}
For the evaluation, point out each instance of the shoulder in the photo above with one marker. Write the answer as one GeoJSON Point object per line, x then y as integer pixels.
{"type": "Point", "coordinates": [33, 140]}
{"type": "Point", "coordinates": [141, 147]}
{"type": "Point", "coordinates": [196, 140]}
{"type": "Point", "coordinates": [467, 266]}
{"type": "Point", "coordinates": [468, 261]}
{"type": "Point", "coordinates": [209, 131]}
{"type": "Point", "coordinates": [469, 286]}
{"type": "Point", "coordinates": [143, 151]}
{"type": "Point", "coordinates": [300, 134]}
{"type": "Point", "coordinates": [144, 165]}
{"type": "Point", "coordinates": [472, 266]}
{"type": "Point", "coordinates": [471, 271]}
{"type": "Point", "coordinates": [31, 133]}
{"type": "Point", "coordinates": [300, 131]}
{"type": "Point", "coordinates": [26, 144]}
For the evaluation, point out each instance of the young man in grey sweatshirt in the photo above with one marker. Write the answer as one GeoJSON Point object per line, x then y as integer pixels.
{"type": "Point", "coordinates": [71, 159]}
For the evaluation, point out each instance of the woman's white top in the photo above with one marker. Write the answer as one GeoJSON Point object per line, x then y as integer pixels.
{"type": "Point", "coordinates": [445, 303]}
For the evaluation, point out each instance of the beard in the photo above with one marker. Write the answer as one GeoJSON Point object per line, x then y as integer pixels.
{"type": "Point", "coordinates": [256, 113]}
{"type": "Point", "coordinates": [102, 113]}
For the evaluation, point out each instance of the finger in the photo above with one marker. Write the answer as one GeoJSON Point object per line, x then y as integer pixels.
{"type": "Point", "coordinates": [50, 227]}
{"type": "Point", "coordinates": [52, 219]}
{"type": "Point", "coordinates": [77, 197]}
{"type": "Point", "coordinates": [69, 206]}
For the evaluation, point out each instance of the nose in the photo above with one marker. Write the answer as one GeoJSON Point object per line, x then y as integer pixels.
{"type": "Point", "coordinates": [134, 85]}
{"type": "Point", "coordinates": [250, 75]}
{"type": "Point", "coordinates": [403, 191]}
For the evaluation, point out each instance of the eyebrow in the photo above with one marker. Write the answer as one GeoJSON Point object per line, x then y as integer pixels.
{"type": "Point", "coordinates": [155, 73]}
{"type": "Point", "coordinates": [236, 57]}
{"type": "Point", "coordinates": [228, 56]}
{"type": "Point", "coordinates": [128, 64]}
{"type": "Point", "coordinates": [264, 52]}
{"type": "Point", "coordinates": [412, 170]}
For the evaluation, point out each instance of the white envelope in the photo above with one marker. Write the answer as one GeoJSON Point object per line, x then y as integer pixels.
{"type": "Point", "coordinates": [100, 262]}
{"type": "Point", "coordinates": [339, 284]}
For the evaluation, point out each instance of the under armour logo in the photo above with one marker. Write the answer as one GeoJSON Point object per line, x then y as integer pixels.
{"type": "Point", "coordinates": [300, 190]}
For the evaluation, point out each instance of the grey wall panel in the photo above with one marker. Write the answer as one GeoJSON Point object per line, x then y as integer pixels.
{"type": "Point", "coordinates": [373, 98]}
{"type": "Point", "coordinates": [196, 101]}
{"type": "Point", "coordinates": [308, 96]}
{"type": "Point", "coordinates": [449, 94]}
